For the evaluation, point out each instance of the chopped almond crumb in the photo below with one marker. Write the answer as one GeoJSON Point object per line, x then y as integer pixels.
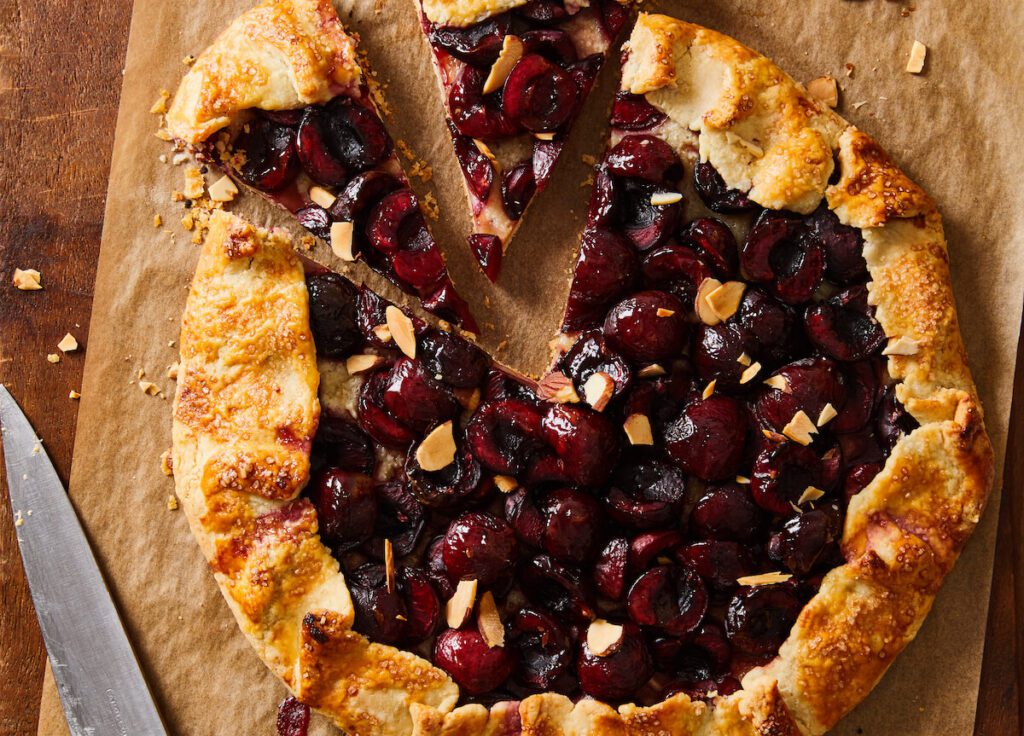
{"type": "Point", "coordinates": [74, 395]}
{"type": "Point", "coordinates": [382, 333]}
{"type": "Point", "coordinates": [662, 312]}
{"type": "Point", "coordinates": [918, 52]}
{"type": "Point", "coordinates": [27, 279]}
{"type": "Point", "coordinates": [53, 358]}
{"type": "Point", "coordinates": [149, 388]}
{"type": "Point", "coordinates": [321, 196]}
{"type": "Point", "coordinates": [194, 183]}
{"type": "Point", "coordinates": [172, 371]}
{"type": "Point", "coordinates": [172, 503]}
{"type": "Point", "coordinates": [166, 464]}
{"type": "Point", "coordinates": [549, 136]}
{"type": "Point", "coordinates": [767, 578]}
{"type": "Point", "coordinates": [460, 606]}
{"type": "Point", "coordinates": [158, 221]}
{"type": "Point", "coordinates": [68, 344]}
{"type": "Point", "coordinates": [750, 373]}
{"type": "Point", "coordinates": [744, 359]}
{"type": "Point", "coordinates": [779, 383]}
{"type": "Point", "coordinates": [160, 106]}
{"type": "Point", "coordinates": [638, 429]}
{"type": "Point", "coordinates": [709, 390]}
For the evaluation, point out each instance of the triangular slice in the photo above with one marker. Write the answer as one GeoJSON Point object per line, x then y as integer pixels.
{"type": "Point", "coordinates": [279, 101]}
{"type": "Point", "coordinates": [514, 75]}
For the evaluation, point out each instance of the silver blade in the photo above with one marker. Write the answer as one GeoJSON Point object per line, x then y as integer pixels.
{"type": "Point", "coordinates": [102, 689]}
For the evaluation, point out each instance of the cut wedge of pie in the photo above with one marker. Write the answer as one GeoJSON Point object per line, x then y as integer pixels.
{"type": "Point", "coordinates": [513, 74]}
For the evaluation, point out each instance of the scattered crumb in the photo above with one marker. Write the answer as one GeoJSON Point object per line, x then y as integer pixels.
{"type": "Point", "coordinates": [53, 357]}
{"type": "Point", "coordinates": [918, 52]}
{"type": "Point", "coordinates": [850, 69]}
{"type": "Point", "coordinates": [160, 106]}
{"type": "Point", "coordinates": [74, 395]}
{"type": "Point", "coordinates": [157, 220]}
{"type": "Point", "coordinates": [189, 60]}
{"type": "Point", "coordinates": [163, 134]}
{"type": "Point", "coordinates": [172, 371]}
{"type": "Point", "coordinates": [307, 242]}
{"type": "Point", "coordinates": [180, 158]}
{"type": "Point", "coordinates": [172, 503]}
{"type": "Point", "coordinates": [194, 183]}
{"type": "Point", "coordinates": [68, 344]}
{"type": "Point", "coordinates": [149, 388]}
{"type": "Point", "coordinates": [166, 464]}
{"type": "Point", "coordinates": [18, 518]}
{"type": "Point", "coordinates": [858, 105]}
{"type": "Point", "coordinates": [27, 279]}
{"type": "Point", "coordinates": [431, 207]}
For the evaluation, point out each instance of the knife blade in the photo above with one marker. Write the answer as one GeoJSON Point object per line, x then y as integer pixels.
{"type": "Point", "coordinates": [102, 690]}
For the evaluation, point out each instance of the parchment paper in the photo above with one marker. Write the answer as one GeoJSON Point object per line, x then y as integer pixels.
{"type": "Point", "coordinates": [954, 129]}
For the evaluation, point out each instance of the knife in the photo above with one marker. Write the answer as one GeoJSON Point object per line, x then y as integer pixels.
{"type": "Point", "coordinates": [101, 686]}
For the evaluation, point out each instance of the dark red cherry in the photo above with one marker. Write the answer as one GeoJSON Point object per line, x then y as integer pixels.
{"type": "Point", "coordinates": [539, 95]}
{"type": "Point", "coordinates": [419, 262]}
{"type": "Point", "coordinates": [634, 112]}
{"type": "Point", "coordinates": [472, 113]}
{"type": "Point", "coordinates": [783, 472]}
{"type": "Point", "coordinates": [518, 186]}
{"type": "Point", "coordinates": [291, 118]}
{"type": "Point", "coordinates": [572, 525]}
{"type": "Point", "coordinates": [811, 384]}
{"type": "Point", "coordinates": [676, 269]}
{"type": "Point", "coordinates": [646, 225]}
{"type": "Point", "coordinates": [395, 220]}
{"type": "Point", "coordinates": [422, 607]}
{"type": "Point", "coordinates": [716, 195]}
{"type": "Point", "coordinates": [346, 507]}
{"type": "Point", "coordinates": [710, 639]}
{"type": "Point", "coordinates": [807, 540]}
{"type": "Point", "coordinates": [376, 420]}
{"type": "Point", "coordinates": [476, 667]}
{"type": "Point", "coordinates": [315, 219]}
{"type": "Point", "coordinates": [604, 196]}
{"type": "Point", "coordinates": [661, 398]}
{"type": "Point", "coordinates": [775, 253]}
{"type": "Point", "coordinates": [893, 421]}
{"type": "Point", "coordinates": [670, 598]}
{"type": "Point", "coordinates": [445, 302]}
{"type": "Point", "coordinates": [435, 569]}
{"type": "Point", "coordinates": [557, 588]}
{"type": "Point", "coordinates": [646, 548]}
{"type": "Point", "coordinates": [380, 614]}
{"type": "Point", "coordinates": [843, 245]}
{"type": "Point", "coordinates": [417, 399]}
{"type": "Point", "coordinates": [770, 329]}
{"type": "Point", "coordinates": [643, 157]}
{"type": "Point", "coordinates": [341, 443]}
{"type": "Point", "coordinates": [858, 477]}
{"type": "Point", "coordinates": [707, 439]}
{"type": "Point", "coordinates": [720, 564]}
{"type": "Point", "coordinates": [727, 512]}
{"type": "Point", "coordinates": [585, 441]}
{"type": "Point", "coordinates": [332, 314]}
{"type": "Point", "coordinates": [292, 718]}
{"type": "Point", "coordinates": [361, 194]}
{"type": "Point", "coordinates": [605, 270]}
{"type": "Point", "coordinates": [525, 518]}
{"type": "Point", "coordinates": [487, 250]}
{"type": "Point", "coordinates": [620, 672]}
{"type": "Point", "coordinates": [543, 649]}
{"type": "Point", "coordinates": [862, 389]}
{"type": "Point", "coordinates": [648, 326]}
{"type": "Point", "coordinates": [478, 546]}
{"type": "Point", "coordinates": [714, 241]}
{"type": "Point", "coordinates": [400, 518]}
{"type": "Point", "coordinates": [584, 72]}
{"type": "Point", "coordinates": [610, 569]}
{"type": "Point", "coordinates": [456, 481]}
{"type": "Point", "coordinates": [478, 44]}
{"type": "Point", "coordinates": [591, 354]}
{"type": "Point", "coordinates": [476, 165]}
{"type": "Point", "coordinates": [504, 434]}
{"type": "Point", "coordinates": [270, 159]}
{"type": "Point", "coordinates": [613, 16]}
{"type": "Point", "coordinates": [554, 45]}
{"type": "Point", "coordinates": [758, 619]}
{"type": "Point", "coordinates": [646, 492]}
{"type": "Point", "coordinates": [355, 135]}
{"type": "Point", "coordinates": [315, 151]}
{"type": "Point", "coordinates": [545, 154]}
{"type": "Point", "coordinates": [543, 12]}
{"type": "Point", "coordinates": [717, 351]}
{"type": "Point", "coordinates": [844, 327]}
{"type": "Point", "coordinates": [458, 362]}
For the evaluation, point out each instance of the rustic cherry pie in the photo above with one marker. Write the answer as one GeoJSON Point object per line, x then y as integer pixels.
{"type": "Point", "coordinates": [726, 507]}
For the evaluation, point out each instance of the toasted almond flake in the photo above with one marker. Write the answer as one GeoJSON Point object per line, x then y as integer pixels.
{"type": "Point", "coordinates": [800, 428]}
{"type": "Point", "coordinates": [751, 147]}
{"type": "Point", "coordinates": [779, 383]}
{"type": "Point", "coordinates": [744, 359]}
{"type": "Point", "coordinates": [548, 136]}
{"type": "Point", "coordinates": [557, 388]}
{"type": "Point", "coordinates": [27, 280]}
{"type": "Point", "coordinates": [704, 311]}
{"type": "Point", "coordinates": [638, 429]}
{"type": "Point", "coordinates": [824, 89]}
{"type": "Point", "coordinates": [725, 300]}
{"type": "Point", "coordinates": [511, 52]}
{"type": "Point", "coordinates": [750, 373]}
{"type": "Point", "coordinates": [68, 344]}
{"type": "Point", "coordinates": [598, 390]}
{"type": "Point", "coordinates": [828, 413]}
{"type": "Point", "coordinates": [437, 450]}
{"type": "Point", "coordinates": [223, 190]}
{"type": "Point", "coordinates": [709, 390]}
{"type": "Point", "coordinates": [488, 620]}
{"type": "Point", "coordinates": [796, 509]}
{"type": "Point", "coordinates": [194, 183]}
{"type": "Point", "coordinates": [321, 196]}
{"type": "Point", "coordinates": [603, 637]}
{"type": "Point", "coordinates": [160, 106]}
{"type": "Point", "coordinates": [166, 463]}
{"type": "Point", "coordinates": [902, 345]}
{"type": "Point", "coordinates": [662, 312]}
{"type": "Point", "coordinates": [767, 578]}
{"type": "Point", "coordinates": [662, 198]}
{"type": "Point", "coordinates": [382, 333]}
{"type": "Point", "coordinates": [53, 358]}
{"type": "Point", "coordinates": [810, 494]}
{"type": "Point", "coordinates": [743, 480]}
{"type": "Point", "coordinates": [918, 52]}
{"type": "Point", "coordinates": [157, 220]}
{"type": "Point", "coordinates": [460, 607]}
{"type": "Point", "coordinates": [401, 330]}
{"type": "Point", "coordinates": [172, 503]}
{"type": "Point", "coordinates": [361, 363]}
{"type": "Point", "coordinates": [389, 565]}
{"type": "Point", "coordinates": [651, 371]}
{"type": "Point", "coordinates": [74, 395]}
{"type": "Point", "coordinates": [506, 483]}
{"type": "Point", "coordinates": [341, 240]}
{"type": "Point", "coordinates": [149, 388]}
{"type": "Point", "coordinates": [484, 149]}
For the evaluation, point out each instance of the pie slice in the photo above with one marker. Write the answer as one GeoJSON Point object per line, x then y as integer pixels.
{"type": "Point", "coordinates": [280, 103]}
{"type": "Point", "coordinates": [725, 509]}
{"type": "Point", "coordinates": [513, 75]}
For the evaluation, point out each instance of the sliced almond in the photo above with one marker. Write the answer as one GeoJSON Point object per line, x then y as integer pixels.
{"type": "Point", "coordinates": [511, 52]}
{"type": "Point", "coordinates": [901, 346]}
{"type": "Point", "coordinates": [744, 359]}
{"type": "Point", "coordinates": [437, 450]}
{"type": "Point", "coordinates": [824, 89]}
{"type": "Point", "coordinates": [750, 373]}
{"type": "Point", "coordinates": [223, 190]}
{"type": "Point", "coordinates": [598, 390]}
{"type": "Point", "coordinates": [558, 388]}
{"type": "Point", "coordinates": [27, 280]}
{"type": "Point", "coordinates": [460, 607]}
{"type": "Point", "coordinates": [810, 494]}
{"type": "Point", "coordinates": [361, 363]}
{"type": "Point", "coordinates": [828, 413]}
{"type": "Point", "coordinates": [68, 344]}
{"type": "Point", "coordinates": [800, 428]}
{"type": "Point", "coordinates": [506, 483]}
{"type": "Point", "coordinates": [709, 390]}
{"type": "Point", "coordinates": [341, 241]}
{"type": "Point", "coordinates": [743, 480]}
{"type": "Point", "coordinates": [638, 429]}
{"type": "Point", "coordinates": [779, 383]}
{"type": "Point", "coordinates": [662, 198]}
{"type": "Point", "coordinates": [918, 52]}
{"type": "Point", "coordinates": [389, 565]}
{"type": "Point", "coordinates": [488, 620]}
{"type": "Point", "coordinates": [321, 196]}
{"type": "Point", "coordinates": [707, 315]}
{"type": "Point", "coordinates": [767, 578]}
{"type": "Point", "coordinates": [651, 371]}
{"type": "Point", "coordinates": [547, 136]}
{"type": "Point", "coordinates": [401, 330]}
{"type": "Point", "coordinates": [603, 637]}
{"type": "Point", "coordinates": [725, 300]}
{"type": "Point", "coordinates": [382, 333]}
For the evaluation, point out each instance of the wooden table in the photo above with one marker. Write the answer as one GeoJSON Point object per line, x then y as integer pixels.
{"type": "Point", "coordinates": [59, 85]}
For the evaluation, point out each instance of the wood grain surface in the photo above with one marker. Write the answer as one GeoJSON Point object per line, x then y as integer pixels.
{"type": "Point", "coordinates": [60, 77]}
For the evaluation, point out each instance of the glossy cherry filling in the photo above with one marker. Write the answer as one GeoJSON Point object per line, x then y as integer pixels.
{"type": "Point", "coordinates": [344, 150]}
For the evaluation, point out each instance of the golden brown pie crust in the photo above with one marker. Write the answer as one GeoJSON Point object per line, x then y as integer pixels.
{"type": "Point", "coordinates": [246, 409]}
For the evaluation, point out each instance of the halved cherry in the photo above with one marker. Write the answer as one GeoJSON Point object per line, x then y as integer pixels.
{"type": "Point", "coordinates": [315, 151]}
{"type": "Point", "coordinates": [314, 218]}
{"type": "Point", "coordinates": [543, 12]}
{"type": "Point", "coordinates": [445, 302]}
{"type": "Point", "coordinates": [525, 518]}
{"type": "Point", "coordinates": [472, 113]}
{"type": "Point", "coordinates": [552, 44]}
{"type": "Point", "coordinates": [610, 569]}
{"type": "Point", "coordinates": [670, 598]}
{"type": "Point", "coordinates": [380, 613]}
{"type": "Point", "coordinates": [646, 225]}
{"type": "Point", "coordinates": [770, 329]}
{"type": "Point", "coordinates": [395, 220]}
{"type": "Point", "coordinates": [361, 193]}
{"type": "Point", "coordinates": [504, 434]}
{"type": "Point", "coordinates": [862, 387]}
{"type": "Point", "coordinates": [676, 269]}
{"type": "Point", "coordinates": [545, 154]}
{"type": "Point", "coordinates": [858, 477]}
{"type": "Point", "coordinates": [478, 546]}
{"type": "Point", "coordinates": [716, 244]}
{"type": "Point", "coordinates": [716, 195]}
{"type": "Point", "coordinates": [591, 354]}
{"type": "Point", "coordinates": [518, 186]}
{"type": "Point", "coordinates": [376, 420]}
{"type": "Point", "coordinates": [717, 351]}
{"type": "Point", "coordinates": [605, 269]}
{"type": "Point", "coordinates": [422, 607]}
{"type": "Point", "coordinates": [346, 507]}
{"type": "Point", "coordinates": [343, 444]}
{"type": "Point", "coordinates": [645, 492]}
{"type": "Point", "coordinates": [476, 166]}
{"type": "Point", "coordinates": [455, 482]}
{"type": "Point", "coordinates": [573, 523]}
{"type": "Point", "coordinates": [643, 157]}
{"type": "Point", "coordinates": [415, 398]}
{"type": "Point", "coordinates": [585, 442]}
{"type": "Point", "coordinates": [400, 518]}
{"type": "Point", "coordinates": [759, 619]}
{"type": "Point", "coordinates": [604, 196]}
{"type": "Point", "coordinates": [783, 472]}
{"type": "Point", "coordinates": [620, 672]}
{"type": "Point", "coordinates": [843, 245]}
{"type": "Point", "coordinates": [355, 135]}
{"type": "Point", "coordinates": [458, 362]}
{"type": "Point", "coordinates": [542, 646]}
{"type": "Point", "coordinates": [418, 262]}
{"type": "Point", "coordinates": [807, 540]}
{"type": "Point", "coordinates": [332, 314]}
{"type": "Point", "coordinates": [478, 44]}
{"type": "Point", "coordinates": [270, 159]}
{"type": "Point", "coordinates": [488, 251]}
{"type": "Point", "coordinates": [707, 438]}
{"type": "Point", "coordinates": [557, 588]}
{"type": "Point", "coordinates": [719, 563]}
{"type": "Point", "coordinates": [810, 385]}
{"type": "Point", "coordinates": [584, 72]}
{"type": "Point", "coordinates": [775, 253]}
{"type": "Point", "coordinates": [726, 512]}
{"type": "Point", "coordinates": [634, 112]}
{"type": "Point", "coordinates": [844, 327]}
{"type": "Point", "coordinates": [648, 326]}
{"type": "Point", "coordinates": [539, 95]}
{"type": "Point", "coordinates": [476, 667]}
{"type": "Point", "coordinates": [892, 421]}
{"type": "Point", "coordinates": [649, 547]}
